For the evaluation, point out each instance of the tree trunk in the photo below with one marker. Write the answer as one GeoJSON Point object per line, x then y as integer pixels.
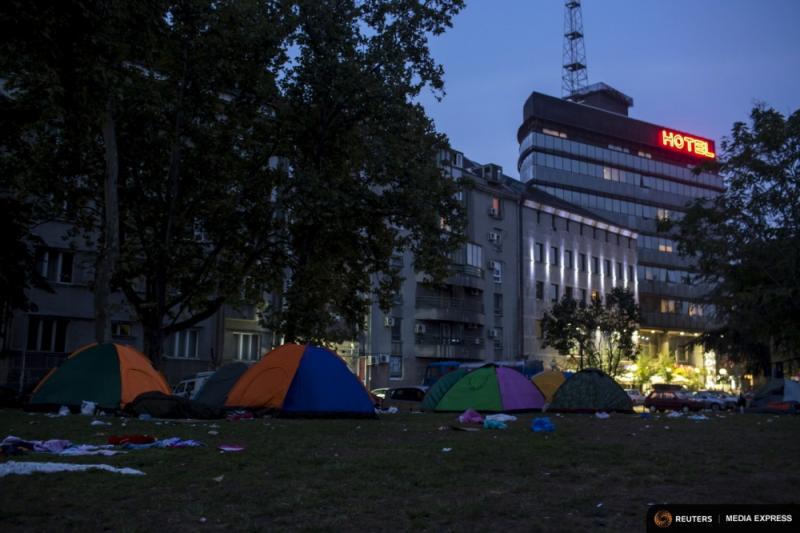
{"type": "Point", "coordinates": [153, 340]}
{"type": "Point", "coordinates": [109, 242]}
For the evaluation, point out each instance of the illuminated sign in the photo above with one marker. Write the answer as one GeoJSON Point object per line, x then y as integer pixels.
{"type": "Point", "coordinates": [687, 144]}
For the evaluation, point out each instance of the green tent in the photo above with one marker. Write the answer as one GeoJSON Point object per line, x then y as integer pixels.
{"type": "Point", "coordinates": [589, 391]}
{"type": "Point", "coordinates": [440, 388]}
{"type": "Point", "coordinates": [491, 388]}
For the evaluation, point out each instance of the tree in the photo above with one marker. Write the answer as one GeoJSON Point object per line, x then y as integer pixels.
{"type": "Point", "coordinates": [18, 272]}
{"type": "Point", "coordinates": [363, 157]}
{"type": "Point", "coordinates": [569, 327]}
{"type": "Point", "coordinates": [745, 243]}
{"type": "Point", "coordinates": [175, 100]}
{"type": "Point", "coordinates": [601, 334]}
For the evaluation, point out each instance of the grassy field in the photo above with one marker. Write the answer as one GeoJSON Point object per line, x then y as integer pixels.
{"type": "Point", "coordinates": [392, 474]}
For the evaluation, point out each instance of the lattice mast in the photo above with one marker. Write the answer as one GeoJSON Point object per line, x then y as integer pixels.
{"type": "Point", "coordinates": [574, 75]}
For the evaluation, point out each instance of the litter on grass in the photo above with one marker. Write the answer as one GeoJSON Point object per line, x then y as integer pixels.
{"type": "Point", "coordinates": [99, 423]}
{"type": "Point", "coordinates": [470, 416]}
{"type": "Point", "coordinates": [230, 448]}
{"type": "Point", "coordinates": [501, 417]}
{"type": "Point", "coordinates": [12, 445]}
{"type": "Point", "coordinates": [491, 423]}
{"type": "Point", "coordinates": [602, 415]}
{"type": "Point", "coordinates": [674, 414]}
{"type": "Point", "coordinates": [447, 450]}
{"type": "Point", "coordinates": [542, 425]}
{"type": "Point", "coordinates": [24, 468]}
{"type": "Point", "coordinates": [697, 417]}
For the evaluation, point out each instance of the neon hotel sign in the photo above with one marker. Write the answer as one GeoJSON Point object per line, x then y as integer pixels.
{"type": "Point", "coordinates": [681, 142]}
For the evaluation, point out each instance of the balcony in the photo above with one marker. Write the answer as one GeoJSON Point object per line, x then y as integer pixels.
{"type": "Point", "coordinates": [464, 347]}
{"type": "Point", "coordinates": [466, 276]}
{"type": "Point", "coordinates": [447, 309]}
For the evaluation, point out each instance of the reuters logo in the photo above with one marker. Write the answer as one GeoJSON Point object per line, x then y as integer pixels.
{"type": "Point", "coordinates": [663, 519]}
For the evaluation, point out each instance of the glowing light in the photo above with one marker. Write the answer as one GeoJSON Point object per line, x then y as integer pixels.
{"type": "Point", "coordinates": [685, 143]}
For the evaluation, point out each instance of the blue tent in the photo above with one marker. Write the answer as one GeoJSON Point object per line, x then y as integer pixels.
{"type": "Point", "coordinates": [302, 381]}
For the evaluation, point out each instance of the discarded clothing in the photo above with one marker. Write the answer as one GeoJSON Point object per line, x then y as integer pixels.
{"type": "Point", "coordinates": [173, 442]}
{"type": "Point", "coordinates": [470, 416]}
{"type": "Point", "coordinates": [15, 446]}
{"type": "Point", "coordinates": [501, 417]}
{"type": "Point", "coordinates": [543, 424]}
{"type": "Point", "coordinates": [119, 440]}
{"type": "Point", "coordinates": [490, 423]}
{"type": "Point", "coordinates": [25, 468]}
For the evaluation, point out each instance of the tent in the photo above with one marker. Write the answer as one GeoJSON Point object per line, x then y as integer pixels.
{"type": "Point", "coordinates": [588, 391]}
{"type": "Point", "coordinates": [440, 388]}
{"type": "Point", "coordinates": [301, 380]}
{"type": "Point", "coordinates": [492, 388]}
{"type": "Point", "coordinates": [160, 405]}
{"type": "Point", "coordinates": [215, 390]}
{"type": "Point", "coordinates": [778, 395]}
{"type": "Point", "coordinates": [548, 382]}
{"type": "Point", "coordinates": [111, 375]}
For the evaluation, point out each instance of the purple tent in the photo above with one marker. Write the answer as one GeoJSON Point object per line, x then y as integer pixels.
{"type": "Point", "coordinates": [492, 388]}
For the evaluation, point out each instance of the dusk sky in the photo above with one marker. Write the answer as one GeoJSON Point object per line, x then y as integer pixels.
{"type": "Point", "coordinates": [693, 65]}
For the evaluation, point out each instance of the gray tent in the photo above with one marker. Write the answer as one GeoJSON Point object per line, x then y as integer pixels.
{"type": "Point", "coordinates": [778, 395]}
{"type": "Point", "coordinates": [589, 391]}
{"type": "Point", "coordinates": [216, 388]}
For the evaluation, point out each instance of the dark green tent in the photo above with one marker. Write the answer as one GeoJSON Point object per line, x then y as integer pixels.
{"type": "Point", "coordinates": [440, 388]}
{"type": "Point", "coordinates": [215, 390]}
{"type": "Point", "coordinates": [590, 391]}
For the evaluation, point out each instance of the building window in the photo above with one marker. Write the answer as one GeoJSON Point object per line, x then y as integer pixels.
{"type": "Point", "coordinates": [568, 259]}
{"type": "Point", "coordinates": [695, 310]}
{"type": "Point", "coordinates": [583, 296]}
{"type": "Point", "coordinates": [185, 344]}
{"type": "Point", "coordinates": [396, 367]}
{"type": "Point", "coordinates": [497, 207]}
{"type": "Point", "coordinates": [595, 265]}
{"type": "Point", "coordinates": [607, 264]}
{"type": "Point", "coordinates": [568, 292]}
{"type": "Point", "coordinates": [498, 304]}
{"type": "Point", "coordinates": [248, 346]}
{"type": "Point", "coordinates": [582, 260]}
{"type": "Point", "coordinates": [539, 290]}
{"type": "Point", "coordinates": [581, 228]}
{"type": "Point", "coordinates": [47, 334]}
{"type": "Point", "coordinates": [619, 270]}
{"type": "Point", "coordinates": [553, 292]}
{"type": "Point", "coordinates": [55, 265]}
{"type": "Point", "coordinates": [538, 328]}
{"type": "Point", "coordinates": [630, 273]}
{"type": "Point", "coordinates": [668, 306]}
{"type": "Point", "coordinates": [554, 223]}
{"type": "Point", "coordinates": [538, 252]}
{"type": "Point", "coordinates": [497, 272]}
{"type": "Point", "coordinates": [397, 329]}
{"type": "Point", "coordinates": [566, 223]}
{"type": "Point", "coordinates": [474, 255]}
{"type": "Point", "coordinates": [595, 295]}
{"type": "Point", "coordinates": [121, 329]}
{"type": "Point", "coordinates": [665, 246]}
{"type": "Point", "coordinates": [662, 214]}
{"type": "Point", "coordinates": [554, 255]}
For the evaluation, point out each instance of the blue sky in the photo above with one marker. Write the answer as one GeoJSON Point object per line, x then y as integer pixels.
{"type": "Point", "coordinates": [694, 65]}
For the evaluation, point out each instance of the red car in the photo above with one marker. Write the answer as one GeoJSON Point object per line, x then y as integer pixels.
{"type": "Point", "coordinates": [671, 400]}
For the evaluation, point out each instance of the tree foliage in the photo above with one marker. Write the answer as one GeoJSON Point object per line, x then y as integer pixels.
{"type": "Point", "coordinates": [260, 147]}
{"type": "Point", "coordinates": [598, 335]}
{"type": "Point", "coordinates": [745, 243]}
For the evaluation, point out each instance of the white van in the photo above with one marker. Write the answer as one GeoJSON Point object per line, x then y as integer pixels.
{"type": "Point", "coordinates": [189, 387]}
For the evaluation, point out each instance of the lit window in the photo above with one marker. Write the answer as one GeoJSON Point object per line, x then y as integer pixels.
{"type": "Point", "coordinates": [121, 329]}
{"type": "Point", "coordinates": [497, 272]}
{"type": "Point", "coordinates": [474, 255]}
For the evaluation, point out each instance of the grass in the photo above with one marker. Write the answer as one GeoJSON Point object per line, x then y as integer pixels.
{"type": "Point", "coordinates": [391, 474]}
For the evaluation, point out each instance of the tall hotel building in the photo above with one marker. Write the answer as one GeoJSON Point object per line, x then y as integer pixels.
{"type": "Point", "coordinates": [588, 152]}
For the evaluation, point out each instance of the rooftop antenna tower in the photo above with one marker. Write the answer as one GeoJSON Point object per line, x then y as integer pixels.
{"type": "Point", "coordinates": [574, 76]}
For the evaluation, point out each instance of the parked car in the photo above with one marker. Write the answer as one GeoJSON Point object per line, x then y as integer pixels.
{"type": "Point", "coordinates": [671, 400]}
{"type": "Point", "coordinates": [190, 387]}
{"type": "Point", "coordinates": [405, 398]}
{"type": "Point", "coordinates": [709, 400]}
{"type": "Point", "coordinates": [731, 400]}
{"type": "Point", "coordinates": [636, 396]}
{"type": "Point", "coordinates": [380, 393]}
